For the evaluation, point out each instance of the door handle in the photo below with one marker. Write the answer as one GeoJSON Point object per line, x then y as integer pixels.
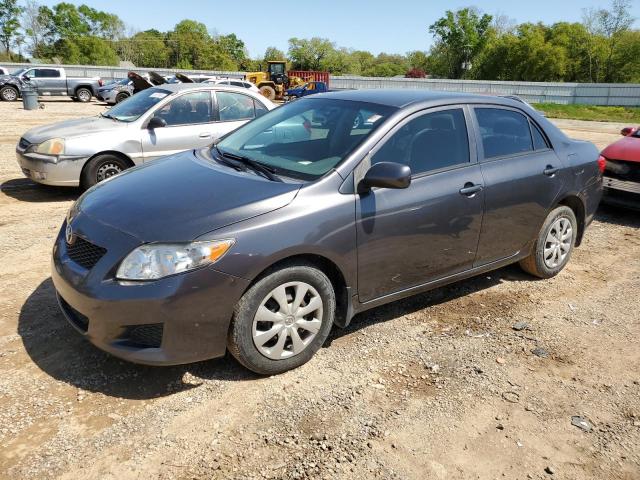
{"type": "Point", "coordinates": [470, 189]}
{"type": "Point", "coordinates": [205, 135]}
{"type": "Point", "coordinates": [550, 171]}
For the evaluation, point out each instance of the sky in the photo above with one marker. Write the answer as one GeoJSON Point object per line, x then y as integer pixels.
{"type": "Point", "coordinates": [392, 26]}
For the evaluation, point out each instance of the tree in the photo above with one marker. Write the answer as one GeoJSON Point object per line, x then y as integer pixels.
{"type": "Point", "coordinates": [460, 37]}
{"type": "Point", "coordinates": [308, 54]}
{"type": "Point", "coordinates": [9, 22]}
{"type": "Point", "coordinates": [148, 49]}
{"type": "Point", "coordinates": [272, 53]}
{"type": "Point", "coordinates": [612, 24]}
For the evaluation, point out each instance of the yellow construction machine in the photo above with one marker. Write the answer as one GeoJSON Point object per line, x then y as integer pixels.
{"type": "Point", "coordinates": [274, 81]}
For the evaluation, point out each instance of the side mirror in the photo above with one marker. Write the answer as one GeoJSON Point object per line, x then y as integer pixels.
{"type": "Point", "coordinates": [385, 175]}
{"type": "Point", "coordinates": [626, 131]}
{"type": "Point", "coordinates": [156, 122]}
{"type": "Point", "coordinates": [26, 78]}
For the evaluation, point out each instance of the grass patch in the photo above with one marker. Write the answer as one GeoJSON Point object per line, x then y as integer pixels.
{"type": "Point", "coordinates": [629, 115]}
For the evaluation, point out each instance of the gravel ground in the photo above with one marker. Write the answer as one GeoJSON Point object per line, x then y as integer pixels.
{"type": "Point", "coordinates": [478, 380]}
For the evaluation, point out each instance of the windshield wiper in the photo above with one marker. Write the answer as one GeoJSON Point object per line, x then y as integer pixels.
{"type": "Point", "coordinates": [257, 166]}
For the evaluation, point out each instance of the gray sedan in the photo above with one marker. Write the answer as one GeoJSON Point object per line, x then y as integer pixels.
{"type": "Point", "coordinates": [153, 123]}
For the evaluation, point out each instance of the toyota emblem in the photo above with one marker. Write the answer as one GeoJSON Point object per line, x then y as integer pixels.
{"type": "Point", "coordinates": [68, 235]}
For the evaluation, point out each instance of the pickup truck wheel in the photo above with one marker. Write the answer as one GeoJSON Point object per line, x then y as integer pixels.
{"type": "Point", "coordinates": [282, 320]}
{"type": "Point", "coordinates": [83, 95]}
{"type": "Point", "coordinates": [100, 168]}
{"type": "Point", "coordinates": [9, 94]}
{"type": "Point", "coordinates": [268, 91]}
{"type": "Point", "coordinates": [554, 245]}
{"type": "Point", "coordinates": [121, 97]}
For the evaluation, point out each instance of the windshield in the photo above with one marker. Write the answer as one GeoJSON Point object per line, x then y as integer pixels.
{"type": "Point", "coordinates": [131, 109]}
{"type": "Point", "coordinates": [18, 73]}
{"type": "Point", "coordinates": [307, 138]}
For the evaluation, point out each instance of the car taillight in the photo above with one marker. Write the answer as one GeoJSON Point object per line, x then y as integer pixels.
{"type": "Point", "coordinates": [602, 163]}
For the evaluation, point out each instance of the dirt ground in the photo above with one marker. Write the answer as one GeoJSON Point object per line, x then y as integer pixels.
{"type": "Point", "coordinates": [438, 386]}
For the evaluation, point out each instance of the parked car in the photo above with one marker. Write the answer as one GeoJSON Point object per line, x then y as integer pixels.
{"type": "Point", "coordinates": [309, 88]}
{"type": "Point", "coordinates": [622, 170]}
{"type": "Point", "coordinates": [49, 81]}
{"type": "Point", "coordinates": [115, 92]}
{"type": "Point", "coordinates": [234, 82]}
{"type": "Point", "coordinates": [156, 122]}
{"type": "Point", "coordinates": [4, 71]}
{"type": "Point", "coordinates": [259, 245]}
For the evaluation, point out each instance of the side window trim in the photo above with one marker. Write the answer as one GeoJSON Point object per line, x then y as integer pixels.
{"type": "Point", "coordinates": [360, 171]}
{"type": "Point", "coordinates": [533, 125]}
{"type": "Point", "coordinates": [478, 134]}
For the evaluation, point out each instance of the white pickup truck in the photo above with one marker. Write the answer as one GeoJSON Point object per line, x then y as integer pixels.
{"type": "Point", "coordinates": [48, 81]}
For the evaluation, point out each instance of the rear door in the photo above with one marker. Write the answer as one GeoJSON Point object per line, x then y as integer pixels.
{"type": "Point", "coordinates": [190, 124]}
{"type": "Point", "coordinates": [430, 230]}
{"type": "Point", "coordinates": [523, 178]}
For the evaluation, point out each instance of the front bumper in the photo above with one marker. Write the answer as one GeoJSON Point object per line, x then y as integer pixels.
{"type": "Point", "coordinates": [108, 96]}
{"type": "Point", "coordinates": [40, 168]}
{"type": "Point", "coordinates": [621, 193]}
{"type": "Point", "coordinates": [189, 312]}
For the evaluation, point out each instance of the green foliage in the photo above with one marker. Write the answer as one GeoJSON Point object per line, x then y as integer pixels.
{"type": "Point", "coordinates": [630, 115]}
{"type": "Point", "coordinates": [272, 53]}
{"type": "Point", "coordinates": [9, 23]}
{"type": "Point", "coordinates": [460, 37]}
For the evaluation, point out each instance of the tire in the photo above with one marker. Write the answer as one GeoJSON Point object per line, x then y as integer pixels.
{"type": "Point", "coordinates": [540, 263]}
{"type": "Point", "coordinates": [121, 97]}
{"type": "Point", "coordinates": [9, 94]}
{"type": "Point", "coordinates": [276, 353]}
{"type": "Point", "coordinates": [100, 168]}
{"type": "Point", "coordinates": [268, 92]}
{"type": "Point", "coordinates": [83, 95]}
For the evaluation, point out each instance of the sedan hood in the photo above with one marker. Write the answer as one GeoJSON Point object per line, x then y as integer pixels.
{"type": "Point", "coordinates": [181, 197]}
{"type": "Point", "coordinates": [627, 148]}
{"type": "Point", "coordinates": [72, 128]}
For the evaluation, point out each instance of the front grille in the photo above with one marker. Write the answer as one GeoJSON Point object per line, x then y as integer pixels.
{"type": "Point", "coordinates": [85, 253]}
{"type": "Point", "coordinates": [622, 170]}
{"type": "Point", "coordinates": [80, 321]}
{"type": "Point", "coordinates": [144, 336]}
{"type": "Point", "coordinates": [23, 144]}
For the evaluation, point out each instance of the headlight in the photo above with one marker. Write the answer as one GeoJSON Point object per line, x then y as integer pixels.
{"type": "Point", "coordinates": [55, 146]}
{"type": "Point", "coordinates": [153, 261]}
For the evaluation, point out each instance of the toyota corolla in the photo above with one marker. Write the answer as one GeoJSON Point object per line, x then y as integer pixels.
{"type": "Point", "coordinates": [263, 242]}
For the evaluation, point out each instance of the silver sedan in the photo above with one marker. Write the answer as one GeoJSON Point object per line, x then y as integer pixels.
{"type": "Point", "coordinates": [153, 123]}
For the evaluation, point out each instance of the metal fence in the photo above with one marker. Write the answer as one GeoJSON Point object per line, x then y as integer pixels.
{"type": "Point", "coordinates": [618, 94]}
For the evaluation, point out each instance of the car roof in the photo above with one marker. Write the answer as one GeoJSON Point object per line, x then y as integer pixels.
{"type": "Point", "coordinates": [401, 98]}
{"type": "Point", "coordinates": [181, 87]}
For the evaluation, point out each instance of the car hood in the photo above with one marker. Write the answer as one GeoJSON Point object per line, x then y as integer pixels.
{"type": "Point", "coordinates": [181, 197]}
{"type": "Point", "coordinates": [627, 148]}
{"type": "Point", "coordinates": [72, 128]}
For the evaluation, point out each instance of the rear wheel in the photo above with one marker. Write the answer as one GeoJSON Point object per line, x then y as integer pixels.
{"type": "Point", "coordinates": [268, 91]}
{"type": "Point", "coordinates": [101, 168]}
{"type": "Point", "coordinates": [83, 94]}
{"type": "Point", "coordinates": [554, 244]}
{"type": "Point", "coordinates": [9, 94]}
{"type": "Point", "coordinates": [282, 320]}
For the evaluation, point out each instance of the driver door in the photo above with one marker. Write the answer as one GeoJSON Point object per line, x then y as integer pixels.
{"type": "Point", "coordinates": [190, 124]}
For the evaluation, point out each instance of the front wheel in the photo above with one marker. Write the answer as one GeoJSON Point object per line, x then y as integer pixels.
{"type": "Point", "coordinates": [282, 320]}
{"type": "Point", "coordinates": [268, 92]}
{"type": "Point", "coordinates": [100, 168]}
{"type": "Point", "coordinates": [121, 97]}
{"type": "Point", "coordinates": [554, 244]}
{"type": "Point", "coordinates": [9, 94]}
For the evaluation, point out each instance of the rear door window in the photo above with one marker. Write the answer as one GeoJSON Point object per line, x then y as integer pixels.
{"type": "Point", "coordinates": [539, 142]}
{"type": "Point", "coordinates": [503, 132]}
